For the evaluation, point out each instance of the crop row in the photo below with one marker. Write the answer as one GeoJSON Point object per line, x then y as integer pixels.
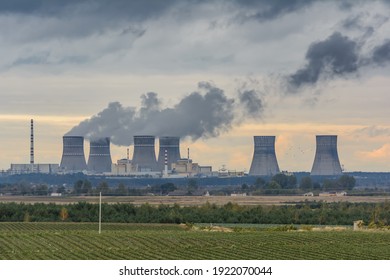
{"type": "Point", "coordinates": [135, 241]}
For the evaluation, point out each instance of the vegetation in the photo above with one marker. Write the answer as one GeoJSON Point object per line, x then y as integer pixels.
{"type": "Point", "coordinates": [340, 213]}
{"type": "Point", "coordinates": [279, 184]}
{"type": "Point", "coordinates": [155, 241]}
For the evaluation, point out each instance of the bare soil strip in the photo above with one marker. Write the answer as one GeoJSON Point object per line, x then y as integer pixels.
{"type": "Point", "coordinates": [192, 200]}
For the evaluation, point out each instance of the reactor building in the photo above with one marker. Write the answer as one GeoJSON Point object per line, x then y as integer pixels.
{"type": "Point", "coordinates": [264, 162]}
{"type": "Point", "coordinates": [73, 159]}
{"type": "Point", "coordinates": [326, 160]}
{"type": "Point", "coordinates": [33, 167]}
{"type": "Point", "coordinates": [99, 160]}
{"type": "Point", "coordinates": [169, 150]}
{"type": "Point", "coordinates": [144, 156]}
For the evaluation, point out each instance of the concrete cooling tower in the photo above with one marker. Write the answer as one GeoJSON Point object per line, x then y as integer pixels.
{"type": "Point", "coordinates": [264, 161]}
{"type": "Point", "coordinates": [99, 160]}
{"type": "Point", "coordinates": [326, 161]}
{"type": "Point", "coordinates": [144, 156]}
{"type": "Point", "coordinates": [73, 158]}
{"type": "Point", "coordinates": [170, 146]}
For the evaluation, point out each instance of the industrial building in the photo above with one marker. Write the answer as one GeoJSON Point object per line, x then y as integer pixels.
{"type": "Point", "coordinates": [264, 162]}
{"type": "Point", "coordinates": [144, 155]}
{"type": "Point", "coordinates": [123, 167]}
{"type": "Point", "coordinates": [26, 168]}
{"type": "Point", "coordinates": [169, 152]}
{"type": "Point", "coordinates": [326, 160]}
{"type": "Point", "coordinates": [169, 162]}
{"type": "Point", "coordinates": [99, 160]}
{"type": "Point", "coordinates": [32, 167]}
{"type": "Point", "coordinates": [73, 158]}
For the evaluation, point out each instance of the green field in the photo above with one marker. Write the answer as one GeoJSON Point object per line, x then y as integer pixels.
{"type": "Point", "coordinates": [50, 241]}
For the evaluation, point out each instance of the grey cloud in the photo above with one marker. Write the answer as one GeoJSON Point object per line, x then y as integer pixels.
{"type": "Point", "coordinates": [140, 10]}
{"type": "Point", "coordinates": [357, 23]}
{"type": "Point", "coordinates": [35, 59]}
{"type": "Point", "coordinates": [381, 54]}
{"type": "Point", "coordinates": [263, 10]}
{"type": "Point", "coordinates": [337, 55]}
{"type": "Point", "coordinates": [135, 9]}
{"type": "Point", "coordinates": [373, 131]}
{"type": "Point", "coordinates": [137, 31]}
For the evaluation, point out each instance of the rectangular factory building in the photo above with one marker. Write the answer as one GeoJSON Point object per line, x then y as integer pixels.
{"type": "Point", "coordinates": [27, 168]}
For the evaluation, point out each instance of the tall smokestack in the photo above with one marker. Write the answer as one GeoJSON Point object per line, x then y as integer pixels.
{"type": "Point", "coordinates": [73, 159]}
{"type": "Point", "coordinates": [99, 160]}
{"type": "Point", "coordinates": [170, 146]}
{"type": "Point", "coordinates": [264, 161]}
{"type": "Point", "coordinates": [144, 155]}
{"type": "Point", "coordinates": [326, 160]}
{"type": "Point", "coordinates": [32, 142]}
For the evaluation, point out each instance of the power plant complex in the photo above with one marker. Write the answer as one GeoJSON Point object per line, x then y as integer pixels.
{"type": "Point", "coordinates": [169, 162]}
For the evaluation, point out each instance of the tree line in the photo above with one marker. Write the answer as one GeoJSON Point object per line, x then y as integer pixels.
{"type": "Point", "coordinates": [341, 213]}
{"type": "Point", "coordinates": [284, 184]}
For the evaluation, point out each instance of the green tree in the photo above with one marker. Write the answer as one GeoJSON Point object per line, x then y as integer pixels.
{"type": "Point", "coordinates": [329, 185]}
{"type": "Point", "coordinates": [273, 185]}
{"type": "Point", "coordinates": [41, 190]}
{"type": "Point", "coordinates": [346, 182]}
{"type": "Point", "coordinates": [192, 185]}
{"type": "Point", "coordinates": [61, 189]}
{"type": "Point", "coordinates": [86, 187]}
{"type": "Point", "coordinates": [285, 181]}
{"type": "Point", "coordinates": [103, 187]}
{"type": "Point", "coordinates": [121, 189]}
{"type": "Point", "coordinates": [167, 188]}
{"type": "Point", "coordinates": [260, 183]}
{"type": "Point", "coordinates": [281, 179]}
{"type": "Point", "coordinates": [78, 186]}
{"type": "Point", "coordinates": [306, 183]}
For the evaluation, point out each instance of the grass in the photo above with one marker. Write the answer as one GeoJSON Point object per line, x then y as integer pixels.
{"type": "Point", "coordinates": [81, 241]}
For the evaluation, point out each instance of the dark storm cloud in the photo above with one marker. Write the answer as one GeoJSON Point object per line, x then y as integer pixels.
{"type": "Point", "coordinates": [134, 9]}
{"type": "Point", "coordinates": [138, 10]}
{"type": "Point", "coordinates": [204, 113]}
{"type": "Point", "coordinates": [336, 55]}
{"type": "Point", "coordinates": [381, 54]}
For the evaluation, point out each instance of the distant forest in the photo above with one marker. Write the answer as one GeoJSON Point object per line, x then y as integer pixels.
{"type": "Point", "coordinates": [279, 184]}
{"type": "Point", "coordinates": [313, 213]}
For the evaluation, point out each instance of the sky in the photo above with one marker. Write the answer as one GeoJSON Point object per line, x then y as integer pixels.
{"type": "Point", "coordinates": [216, 73]}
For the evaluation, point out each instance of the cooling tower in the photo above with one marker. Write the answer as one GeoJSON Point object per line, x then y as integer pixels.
{"type": "Point", "coordinates": [144, 156]}
{"type": "Point", "coordinates": [99, 160]}
{"type": "Point", "coordinates": [170, 146]}
{"type": "Point", "coordinates": [264, 161]}
{"type": "Point", "coordinates": [326, 160]}
{"type": "Point", "coordinates": [73, 154]}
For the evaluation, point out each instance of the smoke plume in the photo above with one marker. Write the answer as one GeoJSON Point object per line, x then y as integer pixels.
{"type": "Point", "coordinates": [252, 103]}
{"type": "Point", "coordinates": [337, 55]}
{"type": "Point", "coordinates": [205, 113]}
